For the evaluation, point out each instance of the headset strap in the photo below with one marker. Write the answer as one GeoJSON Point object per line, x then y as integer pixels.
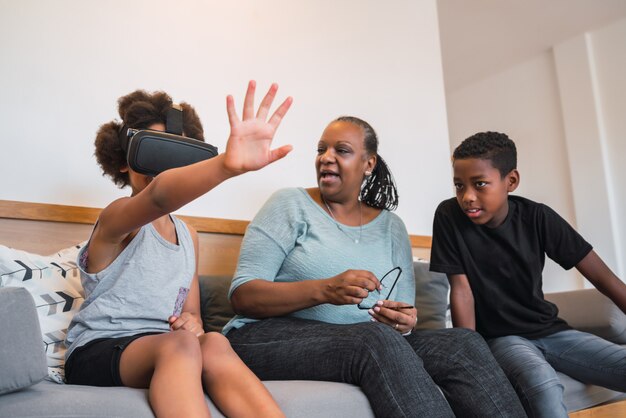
{"type": "Point", "coordinates": [174, 123]}
{"type": "Point", "coordinates": [122, 136]}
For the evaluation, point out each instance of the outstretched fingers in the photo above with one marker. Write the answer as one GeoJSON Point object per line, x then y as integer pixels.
{"type": "Point", "coordinates": [248, 104]}
{"type": "Point", "coordinates": [264, 107]}
{"type": "Point", "coordinates": [278, 153]}
{"type": "Point", "coordinates": [248, 146]}
{"type": "Point", "coordinates": [233, 118]}
{"type": "Point", "coordinates": [280, 112]}
{"type": "Point", "coordinates": [266, 103]}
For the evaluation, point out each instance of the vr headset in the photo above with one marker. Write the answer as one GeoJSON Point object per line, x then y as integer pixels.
{"type": "Point", "coordinates": [152, 152]}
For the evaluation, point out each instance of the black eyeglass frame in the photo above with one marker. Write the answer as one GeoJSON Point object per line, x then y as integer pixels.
{"type": "Point", "coordinates": [381, 281]}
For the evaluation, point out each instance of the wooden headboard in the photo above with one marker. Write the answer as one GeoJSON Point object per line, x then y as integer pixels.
{"type": "Point", "coordinates": [45, 228]}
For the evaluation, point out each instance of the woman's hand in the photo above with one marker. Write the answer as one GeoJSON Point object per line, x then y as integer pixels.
{"type": "Point", "coordinates": [248, 146]}
{"type": "Point", "coordinates": [188, 322]}
{"type": "Point", "coordinates": [399, 315]}
{"type": "Point", "coordinates": [350, 287]}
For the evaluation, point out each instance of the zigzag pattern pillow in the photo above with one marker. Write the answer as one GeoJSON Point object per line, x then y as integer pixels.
{"type": "Point", "coordinates": [54, 283]}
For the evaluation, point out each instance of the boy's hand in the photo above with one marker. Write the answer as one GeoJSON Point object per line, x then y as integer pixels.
{"type": "Point", "coordinates": [401, 316]}
{"type": "Point", "coordinates": [188, 322]}
{"type": "Point", "coordinates": [248, 147]}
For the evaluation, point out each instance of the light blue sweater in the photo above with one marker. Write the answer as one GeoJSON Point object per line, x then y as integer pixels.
{"type": "Point", "coordinates": [293, 239]}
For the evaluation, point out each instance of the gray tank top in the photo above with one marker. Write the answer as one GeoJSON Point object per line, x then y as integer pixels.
{"type": "Point", "coordinates": [138, 291]}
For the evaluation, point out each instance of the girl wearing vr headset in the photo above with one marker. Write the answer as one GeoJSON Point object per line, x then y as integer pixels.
{"type": "Point", "coordinates": [140, 324]}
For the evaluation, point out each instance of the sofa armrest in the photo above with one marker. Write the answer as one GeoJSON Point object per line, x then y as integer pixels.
{"type": "Point", "coordinates": [22, 356]}
{"type": "Point", "coordinates": [590, 311]}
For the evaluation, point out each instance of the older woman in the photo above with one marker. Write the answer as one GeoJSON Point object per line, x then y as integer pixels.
{"type": "Point", "coordinates": [324, 289]}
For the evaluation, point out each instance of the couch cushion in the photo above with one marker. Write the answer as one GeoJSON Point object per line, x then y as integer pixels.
{"type": "Point", "coordinates": [298, 399]}
{"type": "Point", "coordinates": [214, 305]}
{"type": "Point", "coordinates": [54, 283]}
{"type": "Point", "coordinates": [600, 316]}
{"type": "Point", "coordinates": [316, 399]}
{"type": "Point", "coordinates": [47, 399]}
{"type": "Point", "coordinates": [22, 359]}
{"type": "Point", "coordinates": [431, 296]}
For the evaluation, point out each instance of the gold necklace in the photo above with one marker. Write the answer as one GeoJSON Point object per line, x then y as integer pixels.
{"type": "Point", "coordinates": [332, 215]}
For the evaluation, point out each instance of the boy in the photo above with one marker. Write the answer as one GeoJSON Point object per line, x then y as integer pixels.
{"type": "Point", "coordinates": [492, 246]}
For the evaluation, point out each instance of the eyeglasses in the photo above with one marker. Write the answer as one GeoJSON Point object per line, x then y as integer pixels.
{"type": "Point", "coordinates": [388, 282]}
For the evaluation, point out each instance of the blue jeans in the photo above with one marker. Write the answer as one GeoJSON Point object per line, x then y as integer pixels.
{"type": "Point", "coordinates": [398, 375]}
{"type": "Point", "coordinates": [530, 366]}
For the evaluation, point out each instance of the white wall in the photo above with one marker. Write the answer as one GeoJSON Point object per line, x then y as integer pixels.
{"type": "Point", "coordinates": [591, 69]}
{"type": "Point", "coordinates": [586, 145]}
{"type": "Point", "coordinates": [64, 64]}
{"type": "Point", "coordinates": [565, 110]}
{"type": "Point", "coordinates": [609, 57]}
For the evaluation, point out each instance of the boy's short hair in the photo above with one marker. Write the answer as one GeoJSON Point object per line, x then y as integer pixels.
{"type": "Point", "coordinates": [138, 110]}
{"type": "Point", "coordinates": [494, 146]}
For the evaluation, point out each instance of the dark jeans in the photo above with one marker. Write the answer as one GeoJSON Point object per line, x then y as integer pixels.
{"type": "Point", "coordinates": [399, 375]}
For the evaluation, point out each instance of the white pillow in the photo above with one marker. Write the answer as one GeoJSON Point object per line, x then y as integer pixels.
{"type": "Point", "coordinates": [54, 283]}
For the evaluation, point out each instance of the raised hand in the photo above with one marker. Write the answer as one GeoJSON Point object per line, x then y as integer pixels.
{"type": "Point", "coordinates": [350, 287]}
{"type": "Point", "coordinates": [250, 139]}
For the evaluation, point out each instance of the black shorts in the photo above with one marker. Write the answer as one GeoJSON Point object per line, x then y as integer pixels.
{"type": "Point", "coordinates": [97, 363]}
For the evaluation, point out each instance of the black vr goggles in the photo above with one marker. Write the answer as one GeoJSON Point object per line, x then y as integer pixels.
{"type": "Point", "coordinates": [152, 152]}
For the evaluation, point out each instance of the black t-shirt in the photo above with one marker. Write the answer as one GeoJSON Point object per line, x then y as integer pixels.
{"type": "Point", "coordinates": [504, 264]}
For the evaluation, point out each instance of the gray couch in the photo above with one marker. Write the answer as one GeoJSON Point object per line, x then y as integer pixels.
{"type": "Point", "coordinates": [25, 391]}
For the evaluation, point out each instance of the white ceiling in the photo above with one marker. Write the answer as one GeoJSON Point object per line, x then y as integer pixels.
{"type": "Point", "coordinates": [484, 37]}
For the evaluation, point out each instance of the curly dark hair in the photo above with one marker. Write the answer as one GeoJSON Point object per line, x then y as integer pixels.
{"type": "Point", "coordinates": [494, 146]}
{"type": "Point", "coordinates": [379, 190]}
{"type": "Point", "coordinates": [138, 110]}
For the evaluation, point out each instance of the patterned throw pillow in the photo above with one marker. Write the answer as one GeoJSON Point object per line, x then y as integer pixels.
{"type": "Point", "coordinates": [54, 283]}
